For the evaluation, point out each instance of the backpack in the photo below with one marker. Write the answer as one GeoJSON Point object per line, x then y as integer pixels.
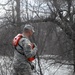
{"type": "Point", "coordinates": [17, 39]}
{"type": "Point", "coordinates": [16, 43]}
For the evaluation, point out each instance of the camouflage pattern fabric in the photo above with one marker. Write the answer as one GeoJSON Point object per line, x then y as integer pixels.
{"type": "Point", "coordinates": [20, 64]}
{"type": "Point", "coordinates": [22, 69]}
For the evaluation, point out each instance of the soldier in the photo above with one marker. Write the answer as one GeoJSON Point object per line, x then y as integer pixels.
{"type": "Point", "coordinates": [24, 53]}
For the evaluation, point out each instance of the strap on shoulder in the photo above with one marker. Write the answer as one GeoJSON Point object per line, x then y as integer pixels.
{"type": "Point", "coordinates": [18, 50]}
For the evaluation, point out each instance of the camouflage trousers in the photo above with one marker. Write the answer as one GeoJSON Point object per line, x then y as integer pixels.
{"type": "Point", "coordinates": [22, 69]}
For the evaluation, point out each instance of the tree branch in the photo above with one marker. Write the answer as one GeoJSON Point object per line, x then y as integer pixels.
{"type": "Point", "coordinates": [5, 3]}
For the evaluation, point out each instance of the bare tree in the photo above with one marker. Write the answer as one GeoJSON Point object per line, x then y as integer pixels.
{"type": "Point", "coordinates": [58, 12]}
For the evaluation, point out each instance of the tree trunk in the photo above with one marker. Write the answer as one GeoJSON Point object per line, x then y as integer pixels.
{"type": "Point", "coordinates": [18, 18]}
{"type": "Point", "coordinates": [18, 12]}
{"type": "Point", "coordinates": [74, 55]}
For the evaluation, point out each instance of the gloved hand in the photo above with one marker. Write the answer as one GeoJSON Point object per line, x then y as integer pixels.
{"type": "Point", "coordinates": [33, 45]}
{"type": "Point", "coordinates": [32, 65]}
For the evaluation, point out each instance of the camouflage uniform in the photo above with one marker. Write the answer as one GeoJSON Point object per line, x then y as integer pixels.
{"type": "Point", "coordinates": [20, 64]}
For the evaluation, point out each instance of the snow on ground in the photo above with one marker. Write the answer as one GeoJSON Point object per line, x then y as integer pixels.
{"type": "Point", "coordinates": [47, 67]}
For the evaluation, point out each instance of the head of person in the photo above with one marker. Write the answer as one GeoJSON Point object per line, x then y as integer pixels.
{"type": "Point", "coordinates": [28, 30]}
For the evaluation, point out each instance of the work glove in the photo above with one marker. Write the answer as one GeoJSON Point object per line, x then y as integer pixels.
{"type": "Point", "coordinates": [32, 65]}
{"type": "Point", "coordinates": [35, 45]}
{"type": "Point", "coordinates": [32, 45]}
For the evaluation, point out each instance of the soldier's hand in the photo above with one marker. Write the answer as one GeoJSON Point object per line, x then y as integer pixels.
{"type": "Point", "coordinates": [32, 67]}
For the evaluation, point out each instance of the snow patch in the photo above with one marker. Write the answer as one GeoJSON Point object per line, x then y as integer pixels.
{"type": "Point", "coordinates": [48, 68]}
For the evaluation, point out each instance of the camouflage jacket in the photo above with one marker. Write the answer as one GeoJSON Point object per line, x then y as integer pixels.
{"type": "Point", "coordinates": [27, 50]}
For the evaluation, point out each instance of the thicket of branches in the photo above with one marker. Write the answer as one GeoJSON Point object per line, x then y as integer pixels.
{"type": "Point", "coordinates": [54, 25]}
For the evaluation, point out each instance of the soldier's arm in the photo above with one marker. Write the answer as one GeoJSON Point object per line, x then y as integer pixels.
{"type": "Point", "coordinates": [29, 52]}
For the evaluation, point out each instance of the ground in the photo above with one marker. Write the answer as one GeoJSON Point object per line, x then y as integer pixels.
{"type": "Point", "coordinates": [48, 67]}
